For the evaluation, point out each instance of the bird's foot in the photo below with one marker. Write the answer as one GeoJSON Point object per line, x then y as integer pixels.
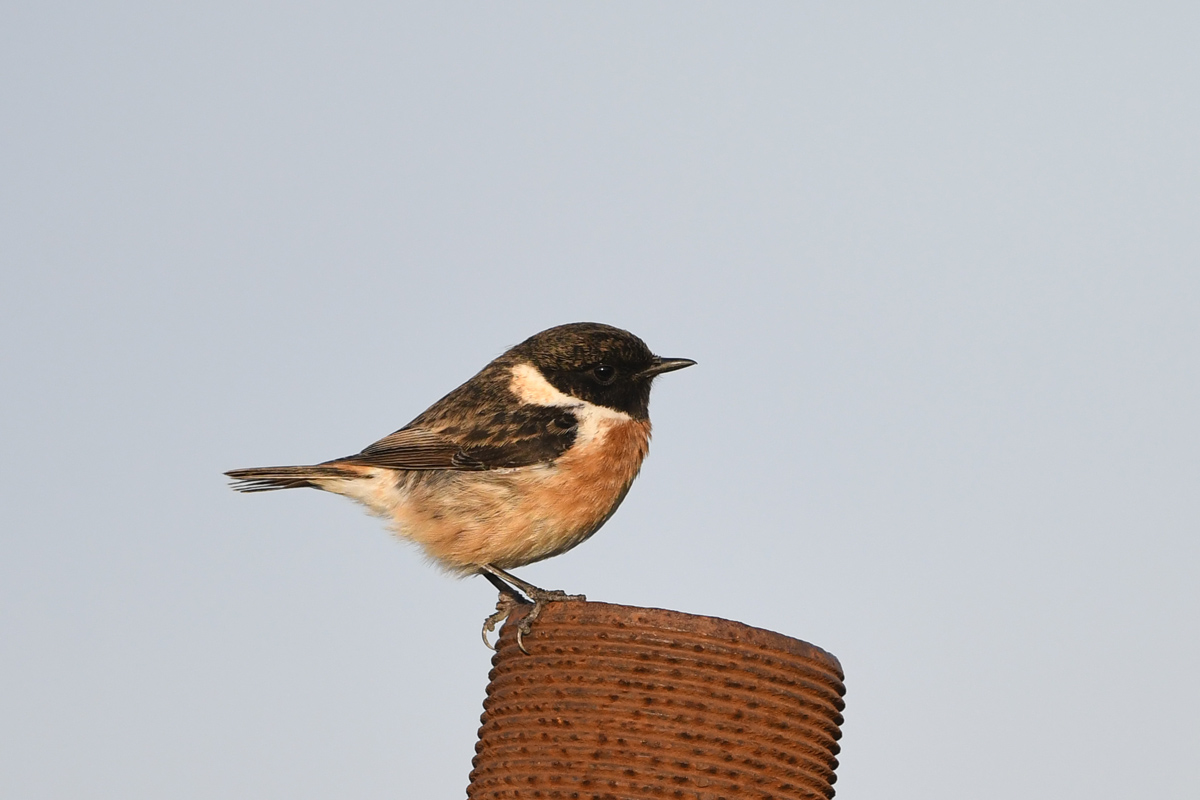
{"type": "Point", "coordinates": [509, 585]}
{"type": "Point", "coordinates": [507, 603]}
{"type": "Point", "coordinates": [541, 598]}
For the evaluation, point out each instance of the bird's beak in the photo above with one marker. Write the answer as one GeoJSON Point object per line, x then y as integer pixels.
{"type": "Point", "coordinates": [662, 365]}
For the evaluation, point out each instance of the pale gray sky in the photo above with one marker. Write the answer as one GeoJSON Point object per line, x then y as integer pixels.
{"type": "Point", "coordinates": [939, 265]}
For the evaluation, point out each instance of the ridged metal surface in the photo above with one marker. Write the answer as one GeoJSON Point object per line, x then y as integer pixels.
{"type": "Point", "coordinates": [616, 702]}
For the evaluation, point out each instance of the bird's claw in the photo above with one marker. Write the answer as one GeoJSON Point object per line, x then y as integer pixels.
{"type": "Point", "coordinates": [540, 601]}
{"type": "Point", "coordinates": [505, 605]}
{"type": "Point", "coordinates": [513, 592]}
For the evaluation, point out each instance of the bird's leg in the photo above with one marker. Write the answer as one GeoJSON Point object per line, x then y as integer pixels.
{"type": "Point", "coordinates": [505, 580]}
{"type": "Point", "coordinates": [540, 598]}
{"type": "Point", "coordinates": [509, 599]}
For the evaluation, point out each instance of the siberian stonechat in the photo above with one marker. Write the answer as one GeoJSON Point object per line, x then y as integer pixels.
{"type": "Point", "coordinates": [522, 462]}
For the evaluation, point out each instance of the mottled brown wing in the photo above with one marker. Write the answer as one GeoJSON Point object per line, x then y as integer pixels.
{"type": "Point", "coordinates": [533, 435]}
{"type": "Point", "coordinates": [415, 448]}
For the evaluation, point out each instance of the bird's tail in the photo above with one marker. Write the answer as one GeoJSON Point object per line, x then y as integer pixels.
{"type": "Point", "coordinates": [268, 479]}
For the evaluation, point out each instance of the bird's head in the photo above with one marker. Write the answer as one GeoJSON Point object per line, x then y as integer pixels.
{"type": "Point", "coordinates": [588, 361]}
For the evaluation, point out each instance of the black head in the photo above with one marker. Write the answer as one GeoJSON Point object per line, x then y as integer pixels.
{"type": "Point", "coordinates": [598, 363]}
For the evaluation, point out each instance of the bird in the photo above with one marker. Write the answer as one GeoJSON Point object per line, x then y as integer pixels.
{"type": "Point", "coordinates": [524, 461]}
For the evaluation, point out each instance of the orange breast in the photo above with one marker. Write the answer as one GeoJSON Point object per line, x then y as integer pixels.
{"type": "Point", "coordinates": [593, 479]}
{"type": "Point", "coordinates": [513, 517]}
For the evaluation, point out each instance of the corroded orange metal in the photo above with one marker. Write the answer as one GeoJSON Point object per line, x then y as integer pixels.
{"type": "Point", "coordinates": [619, 703]}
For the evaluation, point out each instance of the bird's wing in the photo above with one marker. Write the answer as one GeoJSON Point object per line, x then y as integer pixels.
{"type": "Point", "coordinates": [414, 448]}
{"type": "Point", "coordinates": [520, 438]}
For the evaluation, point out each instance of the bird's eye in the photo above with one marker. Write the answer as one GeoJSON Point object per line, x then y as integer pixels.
{"type": "Point", "coordinates": [604, 374]}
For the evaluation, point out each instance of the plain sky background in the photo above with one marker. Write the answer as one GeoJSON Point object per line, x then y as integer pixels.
{"type": "Point", "coordinates": [939, 264]}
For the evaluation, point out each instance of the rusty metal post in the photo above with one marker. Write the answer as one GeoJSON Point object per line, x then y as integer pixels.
{"type": "Point", "coordinates": [625, 703]}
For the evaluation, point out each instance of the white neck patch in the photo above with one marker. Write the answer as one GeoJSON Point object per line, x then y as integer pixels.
{"type": "Point", "coordinates": [530, 386]}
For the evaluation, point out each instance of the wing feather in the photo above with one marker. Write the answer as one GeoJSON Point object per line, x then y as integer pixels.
{"type": "Point", "coordinates": [415, 448]}
{"type": "Point", "coordinates": [532, 435]}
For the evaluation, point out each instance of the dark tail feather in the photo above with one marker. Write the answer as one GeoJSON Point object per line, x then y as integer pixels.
{"type": "Point", "coordinates": [268, 479]}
